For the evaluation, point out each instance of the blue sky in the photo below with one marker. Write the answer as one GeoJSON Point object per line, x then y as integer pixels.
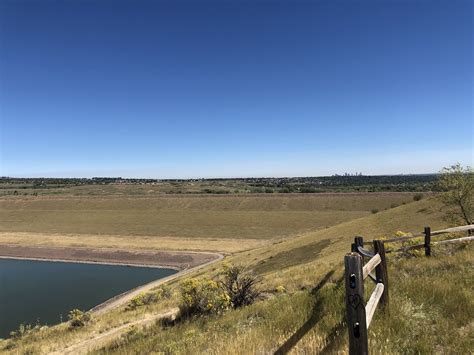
{"type": "Point", "coordinates": [173, 89]}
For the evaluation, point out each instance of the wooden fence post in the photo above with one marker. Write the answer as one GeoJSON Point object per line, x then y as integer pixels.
{"type": "Point", "coordinates": [381, 271]}
{"type": "Point", "coordinates": [427, 241]}
{"type": "Point", "coordinates": [355, 307]}
{"type": "Point", "coordinates": [358, 242]}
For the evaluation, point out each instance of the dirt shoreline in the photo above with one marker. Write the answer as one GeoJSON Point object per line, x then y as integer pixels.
{"type": "Point", "coordinates": [177, 260]}
{"type": "Point", "coordinates": [89, 262]}
{"type": "Point", "coordinates": [184, 262]}
{"type": "Point", "coordinates": [125, 297]}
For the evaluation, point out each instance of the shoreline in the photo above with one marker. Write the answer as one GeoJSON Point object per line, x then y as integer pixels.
{"type": "Point", "coordinates": [2, 257]}
{"type": "Point", "coordinates": [164, 259]}
{"type": "Point", "coordinates": [198, 261]}
{"type": "Point", "coordinates": [124, 297]}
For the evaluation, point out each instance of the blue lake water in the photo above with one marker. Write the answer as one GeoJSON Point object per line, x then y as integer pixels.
{"type": "Point", "coordinates": [44, 291]}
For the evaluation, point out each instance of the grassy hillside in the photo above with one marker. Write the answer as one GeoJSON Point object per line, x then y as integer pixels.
{"type": "Point", "coordinates": [423, 318]}
{"type": "Point", "coordinates": [307, 313]}
{"type": "Point", "coordinates": [181, 222]}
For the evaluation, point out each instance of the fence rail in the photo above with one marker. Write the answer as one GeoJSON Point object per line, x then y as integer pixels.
{"type": "Point", "coordinates": [367, 269]}
{"type": "Point", "coordinates": [427, 234]}
{"type": "Point", "coordinates": [359, 315]}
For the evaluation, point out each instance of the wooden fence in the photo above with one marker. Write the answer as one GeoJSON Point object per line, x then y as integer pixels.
{"type": "Point", "coordinates": [359, 314]}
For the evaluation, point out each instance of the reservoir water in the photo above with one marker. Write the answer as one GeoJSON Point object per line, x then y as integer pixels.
{"type": "Point", "coordinates": [45, 291]}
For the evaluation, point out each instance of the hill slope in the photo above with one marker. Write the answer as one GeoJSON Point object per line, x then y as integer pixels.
{"type": "Point", "coordinates": [308, 314]}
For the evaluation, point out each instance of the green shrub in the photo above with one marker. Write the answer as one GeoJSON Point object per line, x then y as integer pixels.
{"type": "Point", "coordinates": [151, 297]}
{"type": "Point", "coordinates": [240, 286]}
{"type": "Point", "coordinates": [148, 298]}
{"type": "Point", "coordinates": [201, 297]}
{"type": "Point", "coordinates": [78, 318]}
{"type": "Point", "coordinates": [417, 197]}
{"type": "Point", "coordinates": [134, 303]}
{"type": "Point", "coordinates": [374, 210]}
{"type": "Point", "coordinates": [206, 296]}
{"type": "Point", "coordinates": [412, 252]}
{"type": "Point", "coordinates": [165, 292]}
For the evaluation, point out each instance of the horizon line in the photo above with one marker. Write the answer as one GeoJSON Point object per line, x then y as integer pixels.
{"type": "Point", "coordinates": [213, 178]}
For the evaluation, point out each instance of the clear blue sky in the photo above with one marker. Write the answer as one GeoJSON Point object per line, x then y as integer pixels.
{"type": "Point", "coordinates": [234, 88]}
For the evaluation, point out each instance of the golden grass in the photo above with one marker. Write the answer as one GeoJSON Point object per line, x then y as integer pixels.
{"type": "Point", "coordinates": [319, 251]}
{"type": "Point", "coordinates": [189, 216]}
{"type": "Point", "coordinates": [297, 263]}
{"type": "Point", "coordinates": [227, 245]}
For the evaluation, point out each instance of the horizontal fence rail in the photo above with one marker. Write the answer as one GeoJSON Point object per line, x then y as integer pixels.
{"type": "Point", "coordinates": [427, 234]}
{"type": "Point", "coordinates": [467, 228]}
{"type": "Point", "coordinates": [402, 239]}
{"type": "Point", "coordinates": [458, 240]}
{"type": "Point", "coordinates": [359, 315]}
{"type": "Point", "coordinates": [454, 229]}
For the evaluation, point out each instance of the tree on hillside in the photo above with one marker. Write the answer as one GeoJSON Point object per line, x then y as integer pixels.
{"type": "Point", "coordinates": [457, 185]}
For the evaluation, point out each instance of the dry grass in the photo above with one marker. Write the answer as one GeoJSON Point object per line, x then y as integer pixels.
{"type": "Point", "coordinates": [180, 222]}
{"type": "Point", "coordinates": [311, 321]}
{"type": "Point", "coordinates": [423, 318]}
{"type": "Point", "coordinates": [228, 245]}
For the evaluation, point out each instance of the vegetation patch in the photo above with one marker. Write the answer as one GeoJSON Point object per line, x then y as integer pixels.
{"type": "Point", "coordinates": [25, 329]}
{"type": "Point", "coordinates": [236, 288]}
{"type": "Point", "coordinates": [202, 297]}
{"type": "Point", "coordinates": [292, 257]}
{"type": "Point", "coordinates": [78, 318]}
{"type": "Point", "coordinates": [148, 298]}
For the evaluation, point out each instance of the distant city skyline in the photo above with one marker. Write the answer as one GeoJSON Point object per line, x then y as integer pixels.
{"type": "Point", "coordinates": [209, 178]}
{"type": "Point", "coordinates": [202, 89]}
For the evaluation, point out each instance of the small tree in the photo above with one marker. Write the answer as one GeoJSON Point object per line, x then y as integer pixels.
{"type": "Point", "coordinates": [457, 185]}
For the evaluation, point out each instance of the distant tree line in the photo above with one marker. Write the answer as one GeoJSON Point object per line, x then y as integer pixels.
{"type": "Point", "coordinates": [342, 183]}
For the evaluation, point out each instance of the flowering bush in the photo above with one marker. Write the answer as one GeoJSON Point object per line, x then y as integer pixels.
{"type": "Point", "coordinates": [201, 297]}
{"type": "Point", "coordinates": [135, 303]}
{"type": "Point", "coordinates": [78, 318]}
{"type": "Point", "coordinates": [280, 289]}
{"type": "Point", "coordinates": [404, 245]}
{"type": "Point", "coordinates": [148, 298]}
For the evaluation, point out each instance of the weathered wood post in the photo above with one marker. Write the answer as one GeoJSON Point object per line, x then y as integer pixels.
{"type": "Point", "coordinates": [427, 241]}
{"type": "Point", "coordinates": [355, 307]}
{"type": "Point", "coordinates": [358, 242]}
{"type": "Point", "coordinates": [381, 271]}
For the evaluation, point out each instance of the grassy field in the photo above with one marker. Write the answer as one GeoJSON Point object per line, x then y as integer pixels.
{"type": "Point", "coordinates": [192, 222]}
{"type": "Point", "coordinates": [192, 187]}
{"type": "Point", "coordinates": [153, 187]}
{"type": "Point", "coordinates": [424, 317]}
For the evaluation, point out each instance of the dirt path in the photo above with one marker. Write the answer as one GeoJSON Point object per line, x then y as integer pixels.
{"type": "Point", "coordinates": [98, 340]}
